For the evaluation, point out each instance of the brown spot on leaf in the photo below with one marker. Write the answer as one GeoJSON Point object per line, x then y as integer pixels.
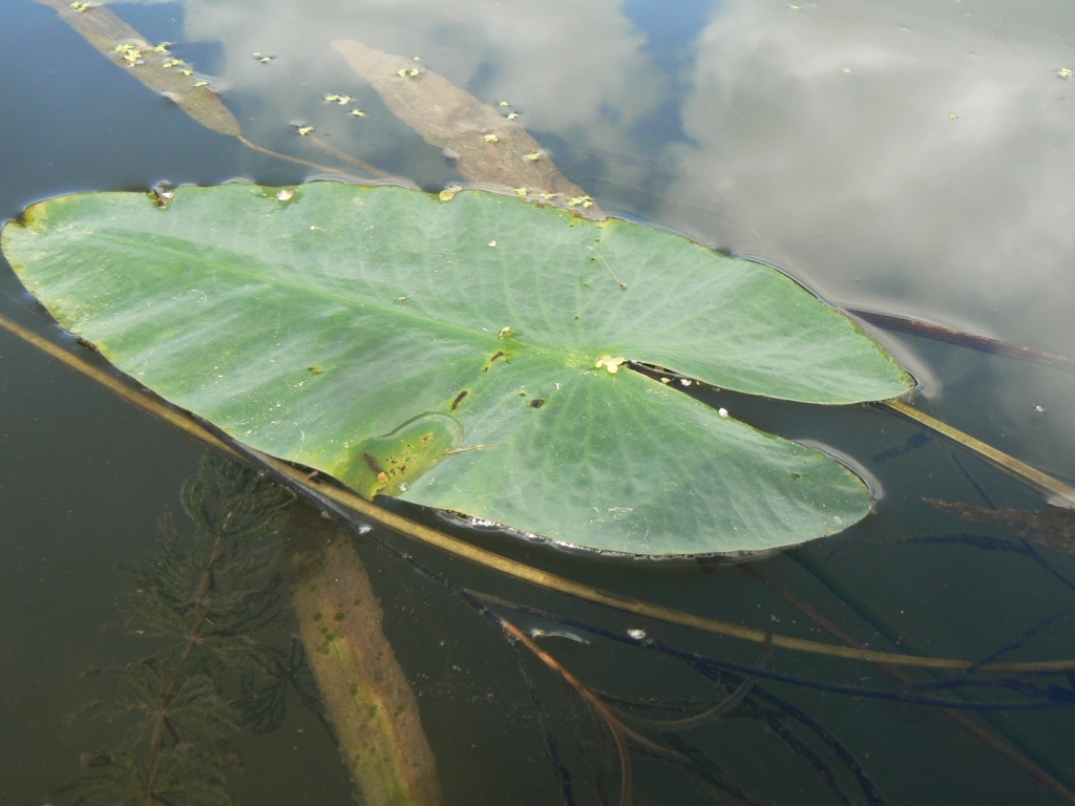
{"type": "Point", "coordinates": [371, 460]}
{"type": "Point", "coordinates": [499, 354]}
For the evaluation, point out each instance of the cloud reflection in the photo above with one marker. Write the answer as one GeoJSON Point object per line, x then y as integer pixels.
{"type": "Point", "coordinates": [917, 157]}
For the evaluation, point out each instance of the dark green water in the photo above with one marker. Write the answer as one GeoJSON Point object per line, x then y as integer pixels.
{"type": "Point", "coordinates": [913, 158]}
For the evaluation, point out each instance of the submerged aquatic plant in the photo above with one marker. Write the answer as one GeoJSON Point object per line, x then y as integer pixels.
{"type": "Point", "coordinates": [207, 598]}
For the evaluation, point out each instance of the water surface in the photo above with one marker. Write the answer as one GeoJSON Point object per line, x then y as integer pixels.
{"type": "Point", "coordinates": [909, 158]}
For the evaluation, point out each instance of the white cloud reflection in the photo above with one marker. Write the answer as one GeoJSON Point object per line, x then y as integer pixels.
{"type": "Point", "coordinates": [913, 156]}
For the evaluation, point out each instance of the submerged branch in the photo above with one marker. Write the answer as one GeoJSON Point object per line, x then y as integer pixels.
{"type": "Point", "coordinates": [972, 729]}
{"type": "Point", "coordinates": [1006, 462]}
{"type": "Point", "coordinates": [373, 709]}
{"type": "Point", "coordinates": [918, 327]}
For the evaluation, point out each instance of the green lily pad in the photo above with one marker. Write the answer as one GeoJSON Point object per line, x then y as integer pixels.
{"type": "Point", "coordinates": [469, 354]}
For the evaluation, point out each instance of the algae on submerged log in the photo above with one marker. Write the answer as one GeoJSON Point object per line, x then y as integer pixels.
{"type": "Point", "coordinates": [372, 707]}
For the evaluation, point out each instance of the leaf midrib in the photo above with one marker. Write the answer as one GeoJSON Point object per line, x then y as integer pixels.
{"type": "Point", "coordinates": [398, 311]}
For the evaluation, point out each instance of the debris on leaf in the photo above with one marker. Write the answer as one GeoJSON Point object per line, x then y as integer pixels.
{"type": "Point", "coordinates": [162, 194]}
{"type": "Point", "coordinates": [130, 53]}
{"type": "Point", "coordinates": [611, 364]}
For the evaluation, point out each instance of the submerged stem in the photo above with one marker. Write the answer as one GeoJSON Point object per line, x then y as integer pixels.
{"type": "Point", "coordinates": [1005, 461]}
{"type": "Point", "coordinates": [204, 598]}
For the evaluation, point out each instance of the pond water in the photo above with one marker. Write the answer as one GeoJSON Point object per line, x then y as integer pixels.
{"type": "Point", "coordinates": [914, 159]}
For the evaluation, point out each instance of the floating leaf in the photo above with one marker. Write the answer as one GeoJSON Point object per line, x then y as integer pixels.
{"type": "Point", "coordinates": [372, 333]}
